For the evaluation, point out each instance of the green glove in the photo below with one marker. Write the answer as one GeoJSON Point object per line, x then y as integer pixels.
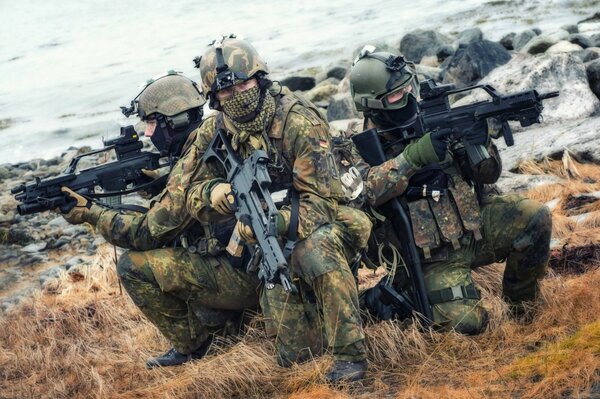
{"type": "Point", "coordinates": [426, 150]}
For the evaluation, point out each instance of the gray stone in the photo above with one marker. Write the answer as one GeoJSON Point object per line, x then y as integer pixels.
{"type": "Point", "coordinates": [571, 28]}
{"type": "Point", "coordinates": [323, 92]}
{"type": "Point", "coordinates": [564, 47]}
{"type": "Point", "coordinates": [537, 31]}
{"type": "Point", "coordinates": [73, 261]}
{"type": "Point", "coordinates": [444, 52]}
{"type": "Point", "coordinates": [338, 72]}
{"type": "Point", "coordinates": [4, 173]}
{"type": "Point", "coordinates": [301, 83]}
{"type": "Point", "coordinates": [507, 41]}
{"type": "Point", "coordinates": [62, 241]}
{"type": "Point", "coordinates": [341, 107]}
{"type": "Point", "coordinates": [416, 44]}
{"type": "Point", "coordinates": [522, 39]}
{"type": "Point", "coordinates": [545, 73]}
{"type": "Point", "coordinates": [469, 36]}
{"type": "Point", "coordinates": [475, 61]}
{"type": "Point", "coordinates": [538, 45]}
{"type": "Point", "coordinates": [35, 247]}
{"type": "Point", "coordinates": [592, 70]}
{"type": "Point", "coordinates": [595, 40]}
{"type": "Point", "coordinates": [74, 231]}
{"type": "Point", "coordinates": [58, 222]}
{"type": "Point", "coordinates": [510, 182]}
{"type": "Point", "coordinates": [589, 54]}
{"type": "Point", "coordinates": [558, 35]}
{"type": "Point", "coordinates": [580, 40]}
{"type": "Point", "coordinates": [426, 72]}
{"type": "Point", "coordinates": [52, 273]}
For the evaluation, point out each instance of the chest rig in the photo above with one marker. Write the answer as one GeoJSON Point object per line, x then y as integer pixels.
{"type": "Point", "coordinates": [443, 209]}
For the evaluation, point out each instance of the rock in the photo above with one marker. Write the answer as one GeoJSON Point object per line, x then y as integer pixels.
{"type": "Point", "coordinates": [545, 73]}
{"type": "Point", "coordinates": [52, 273]}
{"type": "Point", "coordinates": [515, 182]}
{"type": "Point", "coordinates": [444, 52]}
{"type": "Point", "coordinates": [537, 31]}
{"type": "Point", "coordinates": [564, 47]}
{"type": "Point", "coordinates": [430, 61]}
{"type": "Point", "coordinates": [73, 262]}
{"type": "Point", "coordinates": [589, 54]}
{"type": "Point", "coordinates": [58, 222]}
{"type": "Point", "coordinates": [74, 231]}
{"type": "Point", "coordinates": [589, 28]}
{"type": "Point", "coordinates": [302, 83]}
{"type": "Point", "coordinates": [507, 41]}
{"type": "Point", "coordinates": [322, 92]}
{"type": "Point", "coordinates": [62, 240]}
{"type": "Point", "coordinates": [341, 107]}
{"type": "Point", "coordinates": [579, 137]}
{"type": "Point", "coordinates": [4, 173]}
{"type": "Point", "coordinates": [35, 247]}
{"type": "Point", "coordinates": [338, 72]}
{"type": "Point", "coordinates": [7, 217]}
{"type": "Point", "coordinates": [592, 70]}
{"type": "Point", "coordinates": [342, 124]}
{"type": "Point", "coordinates": [538, 45]}
{"type": "Point", "coordinates": [475, 61]}
{"type": "Point", "coordinates": [426, 72]}
{"type": "Point", "coordinates": [558, 35]}
{"type": "Point", "coordinates": [571, 28]}
{"type": "Point", "coordinates": [469, 36]}
{"type": "Point", "coordinates": [522, 39]}
{"type": "Point", "coordinates": [595, 40]}
{"type": "Point", "coordinates": [581, 40]}
{"type": "Point", "coordinates": [416, 44]}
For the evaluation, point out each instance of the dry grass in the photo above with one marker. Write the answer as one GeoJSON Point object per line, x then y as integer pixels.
{"type": "Point", "coordinates": [86, 339]}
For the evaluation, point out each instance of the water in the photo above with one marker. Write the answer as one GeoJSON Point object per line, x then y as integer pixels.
{"type": "Point", "coordinates": [67, 66]}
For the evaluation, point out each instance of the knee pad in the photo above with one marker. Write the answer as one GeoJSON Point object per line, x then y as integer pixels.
{"type": "Point", "coordinates": [535, 238]}
{"type": "Point", "coordinates": [463, 316]}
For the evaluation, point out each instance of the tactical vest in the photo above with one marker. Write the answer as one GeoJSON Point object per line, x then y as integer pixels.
{"type": "Point", "coordinates": [443, 210]}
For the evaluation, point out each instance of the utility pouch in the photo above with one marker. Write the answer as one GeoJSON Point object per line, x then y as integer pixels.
{"type": "Point", "coordinates": [424, 228]}
{"type": "Point", "coordinates": [468, 207]}
{"type": "Point", "coordinates": [447, 220]}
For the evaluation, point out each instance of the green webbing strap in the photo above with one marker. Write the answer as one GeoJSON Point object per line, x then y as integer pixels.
{"type": "Point", "coordinates": [454, 293]}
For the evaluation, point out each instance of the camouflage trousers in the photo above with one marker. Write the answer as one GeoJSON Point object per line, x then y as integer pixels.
{"type": "Point", "coordinates": [514, 229]}
{"type": "Point", "coordinates": [326, 311]}
{"type": "Point", "coordinates": [187, 296]}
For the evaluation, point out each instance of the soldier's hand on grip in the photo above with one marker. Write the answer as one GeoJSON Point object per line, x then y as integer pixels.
{"type": "Point", "coordinates": [221, 198]}
{"type": "Point", "coordinates": [431, 148]}
{"type": "Point", "coordinates": [244, 231]}
{"type": "Point", "coordinates": [78, 213]}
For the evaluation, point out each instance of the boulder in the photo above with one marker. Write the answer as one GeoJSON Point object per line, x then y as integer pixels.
{"type": "Point", "coordinates": [558, 35]}
{"type": "Point", "coordinates": [595, 40]}
{"type": "Point", "coordinates": [416, 44]}
{"type": "Point", "coordinates": [302, 83]}
{"type": "Point", "coordinates": [427, 72]}
{"type": "Point", "coordinates": [580, 39]}
{"type": "Point", "coordinates": [522, 39]}
{"type": "Point", "coordinates": [507, 41]}
{"type": "Point", "coordinates": [593, 74]}
{"type": "Point", "coordinates": [323, 92]}
{"type": "Point", "coordinates": [545, 73]}
{"type": "Point", "coordinates": [430, 61]}
{"type": "Point", "coordinates": [469, 36]}
{"type": "Point", "coordinates": [564, 47]}
{"type": "Point", "coordinates": [589, 54]}
{"type": "Point", "coordinates": [537, 31]}
{"type": "Point", "coordinates": [341, 107]}
{"type": "Point", "coordinates": [444, 52]}
{"type": "Point", "coordinates": [538, 45]}
{"type": "Point", "coordinates": [338, 72]}
{"type": "Point", "coordinates": [475, 61]}
{"type": "Point", "coordinates": [571, 28]}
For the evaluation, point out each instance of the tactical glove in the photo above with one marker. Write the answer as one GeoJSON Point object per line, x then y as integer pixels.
{"type": "Point", "coordinates": [431, 148]}
{"type": "Point", "coordinates": [81, 211]}
{"type": "Point", "coordinates": [244, 231]}
{"type": "Point", "coordinates": [152, 175]}
{"type": "Point", "coordinates": [221, 198]}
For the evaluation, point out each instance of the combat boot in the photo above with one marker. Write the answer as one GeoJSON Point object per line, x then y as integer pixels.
{"type": "Point", "coordinates": [174, 358]}
{"type": "Point", "coordinates": [344, 371]}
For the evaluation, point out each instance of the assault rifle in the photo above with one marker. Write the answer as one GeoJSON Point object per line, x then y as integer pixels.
{"type": "Point", "coordinates": [370, 148]}
{"type": "Point", "coordinates": [254, 206]}
{"type": "Point", "coordinates": [113, 177]}
{"type": "Point", "coordinates": [466, 123]}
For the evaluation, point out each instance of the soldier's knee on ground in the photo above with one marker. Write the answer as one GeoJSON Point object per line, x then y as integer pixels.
{"type": "Point", "coordinates": [465, 316]}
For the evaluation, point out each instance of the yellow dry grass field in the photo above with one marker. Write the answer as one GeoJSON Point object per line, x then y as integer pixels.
{"type": "Point", "coordinates": [84, 338]}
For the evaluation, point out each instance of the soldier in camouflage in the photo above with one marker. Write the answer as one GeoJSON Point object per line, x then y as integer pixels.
{"type": "Point", "coordinates": [460, 230]}
{"type": "Point", "coordinates": [257, 114]}
{"type": "Point", "coordinates": [176, 271]}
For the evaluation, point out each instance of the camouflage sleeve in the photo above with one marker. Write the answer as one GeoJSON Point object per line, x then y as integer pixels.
{"type": "Point", "coordinates": [204, 176]}
{"type": "Point", "coordinates": [307, 140]}
{"type": "Point", "coordinates": [385, 181]}
{"type": "Point", "coordinates": [164, 221]}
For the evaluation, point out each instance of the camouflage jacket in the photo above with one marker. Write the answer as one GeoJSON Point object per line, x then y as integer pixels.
{"type": "Point", "coordinates": [300, 150]}
{"type": "Point", "coordinates": [167, 217]}
{"type": "Point", "coordinates": [435, 220]}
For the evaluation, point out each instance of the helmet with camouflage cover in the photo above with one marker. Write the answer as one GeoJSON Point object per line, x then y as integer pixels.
{"type": "Point", "coordinates": [226, 62]}
{"type": "Point", "coordinates": [381, 81]}
{"type": "Point", "coordinates": [169, 95]}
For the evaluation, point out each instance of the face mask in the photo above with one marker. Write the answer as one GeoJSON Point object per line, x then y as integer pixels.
{"type": "Point", "coordinates": [387, 119]}
{"type": "Point", "coordinates": [170, 141]}
{"type": "Point", "coordinates": [241, 110]}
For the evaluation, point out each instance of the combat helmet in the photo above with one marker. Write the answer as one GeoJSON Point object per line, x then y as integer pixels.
{"type": "Point", "coordinates": [176, 103]}
{"type": "Point", "coordinates": [226, 62]}
{"type": "Point", "coordinates": [381, 81]}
